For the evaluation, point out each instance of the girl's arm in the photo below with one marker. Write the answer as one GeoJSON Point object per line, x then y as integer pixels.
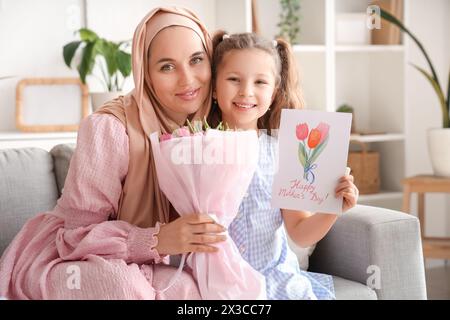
{"type": "Point", "coordinates": [306, 229]}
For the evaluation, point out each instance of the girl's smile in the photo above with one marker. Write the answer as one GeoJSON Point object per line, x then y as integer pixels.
{"type": "Point", "coordinates": [245, 86]}
{"type": "Point", "coordinates": [243, 106]}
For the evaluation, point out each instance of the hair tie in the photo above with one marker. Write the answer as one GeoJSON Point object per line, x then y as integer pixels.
{"type": "Point", "coordinates": [225, 36]}
{"type": "Point", "coordinates": [274, 43]}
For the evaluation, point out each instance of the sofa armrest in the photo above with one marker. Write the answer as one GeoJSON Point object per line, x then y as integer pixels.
{"type": "Point", "coordinates": [370, 241]}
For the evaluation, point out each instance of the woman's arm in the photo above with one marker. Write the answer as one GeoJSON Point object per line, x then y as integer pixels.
{"type": "Point", "coordinates": [91, 196]}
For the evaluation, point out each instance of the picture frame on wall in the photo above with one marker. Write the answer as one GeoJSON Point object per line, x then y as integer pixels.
{"type": "Point", "coordinates": [51, 104]}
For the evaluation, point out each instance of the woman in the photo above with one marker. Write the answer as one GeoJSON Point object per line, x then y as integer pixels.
{"type": "Point", "coordinates": [100, 240]}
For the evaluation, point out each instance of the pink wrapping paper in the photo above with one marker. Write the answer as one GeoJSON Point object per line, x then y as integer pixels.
{"type": "Point", "coordinates": [210, 173]}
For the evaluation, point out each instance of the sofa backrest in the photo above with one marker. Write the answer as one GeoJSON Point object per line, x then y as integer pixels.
{"type": "Point", "coordinates": [27, 187]}
{"type": "Point", "coordinates": [62, 154]}
{"type": "Point", "coordinates": [31, 181]}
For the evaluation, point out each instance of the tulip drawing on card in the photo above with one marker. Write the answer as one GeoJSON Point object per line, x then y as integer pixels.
{"type": "Point", "coordinates": [311, 145]}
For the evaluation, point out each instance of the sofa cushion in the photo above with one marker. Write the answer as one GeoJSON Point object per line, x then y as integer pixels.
{"type": "Point", "coordinates": [62, 154]}
{"type": "Point", "coordinates": [352, 290]}
{"type": "Point", "coordinates": [27, 187]}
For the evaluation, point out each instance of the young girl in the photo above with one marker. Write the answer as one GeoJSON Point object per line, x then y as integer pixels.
{"type": "Point", "coordinates": [253, 80]}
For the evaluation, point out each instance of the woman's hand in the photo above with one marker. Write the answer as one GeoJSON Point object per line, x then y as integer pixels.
{"type": "Point", "coordinates": [347, 189]}
{"type": "Point", "coordinates": [189, 233]}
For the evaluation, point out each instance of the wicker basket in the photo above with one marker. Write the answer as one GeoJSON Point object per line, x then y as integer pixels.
{"type": "Point", "coordinates": [365, 166]}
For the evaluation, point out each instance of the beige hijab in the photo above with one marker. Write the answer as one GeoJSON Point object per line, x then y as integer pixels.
{"type": "Point", "coordinates": [142, 203]}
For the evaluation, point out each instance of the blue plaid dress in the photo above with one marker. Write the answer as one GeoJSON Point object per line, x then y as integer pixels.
{"type": "Point", "coordinates": [258, 232]}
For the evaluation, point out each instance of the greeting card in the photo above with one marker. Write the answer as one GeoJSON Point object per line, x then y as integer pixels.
{"type": "Point", "coordinates": [313, 149]}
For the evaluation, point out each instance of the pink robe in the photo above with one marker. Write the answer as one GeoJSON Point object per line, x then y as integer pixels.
{"type": "Point", "coordinates": [78, 250]}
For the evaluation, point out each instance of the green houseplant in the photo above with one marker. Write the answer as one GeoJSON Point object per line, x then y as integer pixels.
{"type": "Point", "coordinates": [105, 60]}
{"type": "Point", "coordinates": [432, 78]}
{"type": "Point", "coordinates": [111, 58]}
{"type": "Point", "coordinates": [438, 138]}
{"type": "Point", "coordinates": [289, 27]}
{"type": "Point", "coordinates": [348, 109]}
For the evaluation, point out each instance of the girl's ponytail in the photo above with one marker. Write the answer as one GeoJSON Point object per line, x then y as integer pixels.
{"type": "Point", "coordinates": [288, 95]}
{"type": "Point", "coordinates": [217, 38]}
{"type": "Point", "coordinates": [215, 114]}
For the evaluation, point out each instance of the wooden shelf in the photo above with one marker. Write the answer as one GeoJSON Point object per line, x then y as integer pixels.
{"type": "Point", "coordinates": [308, 48]}
{"type": "Point", "coordinates": [20, 136]}
{"type": "Point", "coordinates": [436, 248]}
{"type": "Point", "coordinates": [378, 137]}
{"type": "Point", "coordinates": [45, 140]}
{"type": "Point", "coordinates": [369, 48]}
{"type": "Point", "coordinates": [433, 247]}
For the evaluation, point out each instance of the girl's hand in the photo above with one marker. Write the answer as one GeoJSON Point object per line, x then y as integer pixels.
{"type": "Point", "coordinates": [347, 189]}
{"type": "Point", "coordinates": [189, 233]}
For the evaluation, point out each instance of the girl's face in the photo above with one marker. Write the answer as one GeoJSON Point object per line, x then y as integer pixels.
{"type": "Point", "coordinates": [245, 86]}
{"type": "Point", "coordinates": [180, 71]}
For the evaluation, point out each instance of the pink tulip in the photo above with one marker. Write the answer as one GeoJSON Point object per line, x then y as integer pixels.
{"type": "Point", "coordinates": [323, 129]}
{"type": "Point", "coordinates": [165, 136]}
{"type": "Point", "coordinates": [301, 131]}
{"type": "Point", "coordinates": [182, 132]}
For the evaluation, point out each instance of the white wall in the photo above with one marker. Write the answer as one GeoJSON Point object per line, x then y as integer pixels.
{"type": "Point", "coordinates": [429, 21]}
{"type": "Point", "coordinates": [33, 33]}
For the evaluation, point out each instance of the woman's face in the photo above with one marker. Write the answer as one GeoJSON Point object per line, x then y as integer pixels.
{"type": "Point", "coordinates": [180, 71]}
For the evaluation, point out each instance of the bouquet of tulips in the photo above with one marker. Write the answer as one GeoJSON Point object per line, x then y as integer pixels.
{"type": "Point", "coordinates": [207, 170]}
{"type": "Point", "coordinates": [309, 151]}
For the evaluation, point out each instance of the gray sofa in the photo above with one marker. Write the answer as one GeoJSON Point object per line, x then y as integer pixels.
{"type": "Point", "coordinates": [368, 247]}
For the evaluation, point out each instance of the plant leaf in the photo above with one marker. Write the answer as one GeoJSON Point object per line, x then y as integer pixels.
{"type": "Point", "coordinates": [345, 108]}
{"type": "Point", "coordinates": [190, 126]}
{"type": "Point", "coordinates": [387, 16]}
{"type": "Point", "coordinates": [123, 45]}
{"type": "Point", "coordinates": [439, 93]}
{"type": "Point", "coordinates": [318, 150]}
{"type": "Point", "coordinates": [87, 61]}
{"type": "Point", "coordinates": [448, 93]}
{"type": "Point", "coordinates": [123, 61]}
{"type": "Point", "coordinates": [206, 123]}
{"type": "Point", "coordinates": [87, 35]}
{"type": "Point", "coordinates": [108, 49]}
{"type": "Point", "coordinates": [69, 51]}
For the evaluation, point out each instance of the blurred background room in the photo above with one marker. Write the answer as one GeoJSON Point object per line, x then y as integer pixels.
{"type": "Point", "coordinates": [351, 58]}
